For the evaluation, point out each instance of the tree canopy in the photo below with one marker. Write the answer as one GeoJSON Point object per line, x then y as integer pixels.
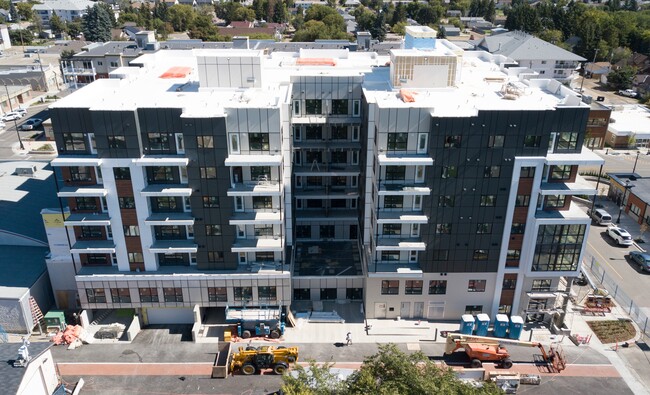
{"type": "Point", "coordinates": [97, 23]}
{"type": "Point", "coordinates": [389, 371]}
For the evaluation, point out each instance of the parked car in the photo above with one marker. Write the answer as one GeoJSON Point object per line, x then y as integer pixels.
{"type": "Point", "coordinates": [642, 259]}
{"type": "Point", "coordinates": [21, 111]}
{"type": "Point", "coordinates": [600, 216]}
{"type": "Point", "coordinates": [619, 235]}
{"type": "Point", "coordinates": [11, 116]}
{"type": "Point", "coordinates": [627, 93]}
{"type": "Point", "coordinates": [2, 125]}
{"type": "Point", "coordinates": [31, 124]}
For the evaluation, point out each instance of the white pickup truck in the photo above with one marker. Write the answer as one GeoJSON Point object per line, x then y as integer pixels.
{"type": "Point", "coordinates": [627, 93]}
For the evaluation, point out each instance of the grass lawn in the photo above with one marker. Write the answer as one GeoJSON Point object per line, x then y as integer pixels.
{"type": "Point", "coordinates": [613, 331]}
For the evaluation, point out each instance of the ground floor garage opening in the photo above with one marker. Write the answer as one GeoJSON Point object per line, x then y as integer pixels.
{"type": "Point", "coordinates": [168, 315]}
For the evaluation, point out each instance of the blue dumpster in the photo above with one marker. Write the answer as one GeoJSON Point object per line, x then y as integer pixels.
{"type": "Point", "coordinates": [482, 324]}
{"type": "Point", "coordinates": [501, 325]}
{"type": "Point", "coordinates": [516, 326]}
{"type": "Point", "coordinates": [466, 324]}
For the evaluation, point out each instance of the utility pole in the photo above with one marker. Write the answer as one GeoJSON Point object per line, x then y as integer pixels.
{"type": "Point", "coordinates": [22, 147]}
{"type": "Point", "coordinates": [585, 71]}
{"type": "Point", "coordinates": [636, 160]}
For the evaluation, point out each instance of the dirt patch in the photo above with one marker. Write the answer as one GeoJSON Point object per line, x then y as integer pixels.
{"type": "Point", "coordinates": [613, 331]}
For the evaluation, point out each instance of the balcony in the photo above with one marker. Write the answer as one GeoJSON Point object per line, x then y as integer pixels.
{"type": "Point", "coordinates": [394, 269]}
{"type": "Point", "coordinates": [173, 246]}
{"type": "Point", "coordinates": [400, 217]}
{"type": "Point", "coordinates": [574, 213]}
{"type": "Point", "coordinates": [255, 245]}
{"type": "Point", "coordinates": [327, 193]}
{"type": "Point", "coordinates": [256, 218]}
{"type": "Point", "coordinates": [325, 144]}
{"type": "Point", "coordinates": [579, 187]}
{"type": "Point", "coordinates": [405, 160]}
{"type": "Point", "coordinates": [322, 169]}
{"type": "Point", "coordinates": [253, 160]}
{"type": "Point", "coordinates": [161, 161]}
{"type": "Point", "coordinates": [400, 244]}
{"type": "Point", "coordinates": [253, 188]}
{"type": "Point", "coordinates": [154, 190]}
{"type": "Point", "coordinates": [404, 190]}
{"type": "Point", "coordinates": [87, 219]}
{"type": "Point", "coordinates": [93, 247]}
{"type": "Point", "coordinates": [585, 158]}
{"type": "Point", "coordinates": [326, 215]}
{"type": "Point", "coordinates": [180, 219]}
{"type": "Point", "coordinates": [323, 119]}
{"type": "Point", "coordinates": [82, 191]}
{"type": "Point", "coordinates": [65, 161]}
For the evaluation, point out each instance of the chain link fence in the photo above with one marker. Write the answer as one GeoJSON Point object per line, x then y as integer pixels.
{"type": "Point", "coordinates": [626, 303]}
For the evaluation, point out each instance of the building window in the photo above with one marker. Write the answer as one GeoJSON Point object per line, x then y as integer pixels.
{"type": "Point", "coordinates": [395, 173]}
{"type": "Point", "coordinates": [338, 157]}
{"type": "Point", "coordinates": [303, 231]}
{"type": "Point", "coordinates": [327, 231]}
{"type": "Point", "coordinates": [446, 201]}
{"type": "Point", "coordinates": [413, 287]}
{"type": "Point", "coordinates": [122, 173]}
{"type": "Point", "coordinates": [74, 142]}
{"type": "Point", "coordinates": [131, 230]}
{"type": "Point", "coordinates": [204, 141]}
{"type": "Point", "coordinates": [543, 285]}
{"type": "Point", "coordinates": [173, 294]}
{"type": "Point", "coordinates": [440, 255]}
{"type": "Point", "coordinates": [390, 287]}
{"type": "Point", "coordinates": [313, 132]}
{"type": "Point", "coordinates": [313, 106]}
{"type": "Point", "coordinates": [264, 256]}
{"type": "Point", "coordinates": [492, 172]}
{"type": "Point", "coordinates": [509, 283]}
{"type": "Point", "coordinates": [555, 201]}
{"type": "Point", "coordinates": [532, 141]}
{"type": "Point", "coordinates": [96, 295]}
{"type": "Point", "coordinates": [513, 255]}
{"type": "Point", "coordinates": [452, 141]}
{"type": "Point", "coordinates": [166, 204]}
{"type": "Point", "coordinates": [118, 142]}
{"type": "Point", "coordinates": [561, 172]}
{"type": "Point", "coordinates": [210, 201]}
{"type": "Point", "coordinates": [537, 305]}
{"type": "Point", "coordinates": [339, 107]}
{"type": "Point", "coordinates": [522, 201]}
{"type": "Point", "coordinates": [169, 232]}
{"type": "Point", "coordinates": [449, 172]}
{"type": "Point", "coordinates": [209, 173]}
{"type": "Point", "coordinates": [473, 309]}
{"type": "Point", "coordinates": [390, 256]}
{"type": "Point", "coordinates": [90, 232]}
{"type": "Point", "coordinates": [80, 173]}
{"type": "Point", "coordinates": [266, 293]}
{"type": "Point", "coordinates": [258, 141]}
{"type": "Point", "coordinates": [148, 295]}
{"type": "Point", "coordinates": [444, 229]}
{"type": "Point", "coordinates": [213, 230]}
{"type": "Point", "coordinates": [527, 172]}
{"type": "Point", "coordinates": [161, 174]}
{"type": "Point", "coordinates": [217, 294]}
{"type": "Point", "coordinates": [262, 202]}
{"type": "Point", "coordinates": [301, 294]}
{"type": "Point", "coordinates": [437, 287]}
{"type": "Point", "coordinates": [392, 229]}
{"type": "Point", "coordinates": [567, 141]}
{"type": "Point", "coordinates": [505, 309]}
{"type": "Point", "coordinates": [518, 228]}
{"type": "Point", "coordinates": [496, 141]}
{"type": "Point", "coordinates": [558, 247]}
{"type": "Point", "coordinates": [480, 255]}
{"type": "Point", "coordinates": [86, 203]}
{"type": "Point", "coordinates": [488, 200]}
{"type": "Point", "coordinates": [158, 141]}
{"type": "Point", "coordinates": [97, 260]}
{"type": "Point", "coordinates": [243, 293]}
{"type": "Point", "coordinates": [135, 257]}
{"type": "Point", "coordinates": [127, 202]}
{"type": "Point", "coordinates": [120, 295]}
{"type": "Point", "coordinates": [393, 201]}
{"type": "Point", "coordinates": [339, 132]}
{"type": "Point", "coordinates": [397, 141]}
{"type": "Point", "coordinates": [484, 228]}
{"type": "Point", "coordinates": [215, 256]}
{"type": "Point", "coordinates": [261, 173]}
{"type": "Point", "coordinates": [476, 286]}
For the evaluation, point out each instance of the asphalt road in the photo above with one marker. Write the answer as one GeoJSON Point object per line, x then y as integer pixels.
{"type": "Point", "coordinates": [9, 138]}
{"type": "Point", "coordinates": [622, 161]}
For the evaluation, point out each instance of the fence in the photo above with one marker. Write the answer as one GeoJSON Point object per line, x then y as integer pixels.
{"type": "Point", "coordinates": [603, 280]}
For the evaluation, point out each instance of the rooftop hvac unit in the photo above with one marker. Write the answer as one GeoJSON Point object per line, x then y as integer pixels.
{"type": "Point", "coordinates": [26, 171]}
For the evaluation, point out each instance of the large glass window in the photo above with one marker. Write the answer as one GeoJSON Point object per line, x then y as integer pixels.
{"type": "Point", "coordinates": [480, 255]}
{"type": "Point", "coordinates": [413, 287]}
{"type": "Point", "coordinates": [437, 287]}
{"type": "Point", "coordinates": [262, 202]}
{"type": "Point", "coordinates": [122, 173]}
{"type": "Point", "coordinates": [165, 204]}
{"type": "Point", "coordinates": [453, 141]}
{"type": "Point", "coordinates": [91, 232]}
{"type": "Point", "coordinates": [173, 294]}
{"type": "Point", "coordinates": [116, 142]}
{"type": "Point", "coordinates": [395, 173]}
{"type": "Point", "coordinates": [148, 295]}
{"type": "Point", "coordinates": [127, 202]}
{"type": "Point", "coordinates": [208, 173]}
{"type": "Point", "coordinates": [204, 142]}
{"type": "Point", "coordinates": [96, 295]}
{"type": "Point", "coordinates": [80, 173]}
{"type": "Point", "coordinates": [86, 203]}
{"type": "Point", "coordinates": [555, 201]}
{"type": "Point", "coordinates": [561, 172]}
{"type": "Point", "coordinates": [532, 141]}
{"type": "Point", "coordinates": [392, 229]}
{"type": "Point", "coordinates": [243, 293]}
{"type": "Point", "coordinates": [388, 256]}
{"type": "Point", "coordinates": [542, 285]}
{"type": "Point", "coordinates": [446, 201]}
{"type": "Point", "coordinates": [313, 106]}
{"type": "Point", "coordinates": [314, 132]}
{"type": "Point", "coordinates": [527, 172]}
{"type": "Point", "coordinates": [266, 292]}
{"type": "Point", "coordinates": [210, 201]}
{"type": "Point", "coordinates": [159, 141]}
{"type": "Point", "coordinates": [558, 247]}
{"type": "Point", "coordinates": [261, 173]}
{"type": "Point", "coordinates": [393, 201]}
{"type": "Point", "coordinates": [484, 228]}
{"type": "Point", "coordinates": [169, 232]}
{"type": "Point", "coordinates": [217, 294]}
{"type": "Point", "coordinates": [74, 142]}
{"type": "Point", "coordinates": [120, 295]}
{"type": "Point", "coordinates": [449, 172]}
{"type": "Point", "coordinates": [440, 255]}
{"type": "Point", "coordinates": [258, 141]}
{"type": "Point", "coordinates": [444, 229]}
{"type": "Point", "coordinates": [496, 141]}
{"type": "Point", "coordinates": [567, 141]}
{"type": "Point", "coordinates": [397, 141]}
{"type": "Point", "coordinates": [161, 174]}
{"type": "Point", "coordinates": [339, 132]}
{"type": "Point", "coordinates": [213, 230]}
{"type": "Point", "coordinates": [390, 287]}
{"type": "Point", "coordinates": [215, 256]}
{"type": "Point", "coordinates": [522, 200]}
{"type": "Point", "coordinates": [340, 107]}
{"type": "Point", "coordinates": [476, 286]}
{"type": "Point", "coordinates": [488, 200]}
{"type": "Point", "coordinates": [492, 171]}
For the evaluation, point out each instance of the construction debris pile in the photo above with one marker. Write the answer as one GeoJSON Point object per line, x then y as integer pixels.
{"type": "Point", "coordinates": [73, 335]}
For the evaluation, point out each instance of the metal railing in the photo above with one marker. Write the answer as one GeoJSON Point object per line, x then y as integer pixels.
{"type": "Point", "coordinates": [602, 280]}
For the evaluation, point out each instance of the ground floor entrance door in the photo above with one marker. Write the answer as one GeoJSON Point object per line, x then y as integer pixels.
{"type": "Point", "coordinates": [380, 310]}
{"type": "Point", "coordinates": [405, 310]}
{"type": "Point", "coordinates": [418, 310]}
{"type": "Point", "coordinates": [436, 310]}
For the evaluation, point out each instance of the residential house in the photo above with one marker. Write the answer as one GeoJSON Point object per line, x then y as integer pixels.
{"type": "Point", "coordinates": [67, 10]}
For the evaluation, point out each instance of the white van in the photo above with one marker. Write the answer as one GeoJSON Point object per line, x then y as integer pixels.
{"type": "Point", "coordinates": [601, 217]}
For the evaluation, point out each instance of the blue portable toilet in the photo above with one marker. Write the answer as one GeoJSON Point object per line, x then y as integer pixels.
{"type": "Point", "coordinates": [482, 324]}
{"type": "Point", "coordinates": [516, 326]}
{"type": "Point", "coordinates": [501, 325]}
{"type": "Point", "coordinates": [466, 324]}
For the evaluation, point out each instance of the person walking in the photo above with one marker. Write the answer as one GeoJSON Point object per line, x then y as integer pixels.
{"type": "Point", "coordinates": [348, 339]}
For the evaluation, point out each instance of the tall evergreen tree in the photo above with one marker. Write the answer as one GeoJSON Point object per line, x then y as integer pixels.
{"type": "Point", "coordinates": [97, 24]}
{"type": "Point", "coordinates": [13, 12]}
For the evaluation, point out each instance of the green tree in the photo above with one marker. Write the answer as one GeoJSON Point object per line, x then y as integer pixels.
{"type": "Point", "coordinates": [378, 28]}
{"type": "Point", "coordinates": [243, 14]}
{"type": "Point", "coordinates": [13, 12]}
{"type": "Point", "coordinates": [25, 11]}
{"type": "Point", "coordinates": [181, 16]}
{"type": "Point", "coordinates": [364, 18]}
{"type": "Point", "coordinates": [204, 29]}
{"type": "Point", "coordinates": [75, 28]}
{"type": "Point", "coordinates": [97, 24]}
{"type": "Point", "coordinates": [161, 11]}
{"type": "Point", "coordinates": [314, 380]}
{"type": "Point", "coordinates": [280, 14]}
{"type": "Point", "coordinates": [21, 36]}
{"type": "Point", "coordinates": [57, 24]}
{"type": "Point", "coordinates": [490, 11]}
{"type": "Point", "coordinates": [67, 54]}
{"type": "Point", "coordinates": [621, 78]}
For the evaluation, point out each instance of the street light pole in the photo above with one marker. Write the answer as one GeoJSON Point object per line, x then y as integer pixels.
{"type": "Point", "coordinates": [593, 204]}
{"type": "Point", "coordinates": [636, 160]}
{"type": "Point", "coordinates": [627, 186]}
{"type": "Point", "coordinates": [22, 147]}
{"type": "Point", "coordinates": [585, 71]}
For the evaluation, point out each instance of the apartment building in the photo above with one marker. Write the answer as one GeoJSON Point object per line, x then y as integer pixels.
{"type": "Point", "coordinates": [429, 183]}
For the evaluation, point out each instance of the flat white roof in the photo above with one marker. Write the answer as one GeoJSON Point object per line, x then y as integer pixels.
{"type": "Point", "coordinates": [630, 120]}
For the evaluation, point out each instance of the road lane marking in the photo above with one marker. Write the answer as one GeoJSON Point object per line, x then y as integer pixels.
{"type": "Point", "coordinates": [603, 258]}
